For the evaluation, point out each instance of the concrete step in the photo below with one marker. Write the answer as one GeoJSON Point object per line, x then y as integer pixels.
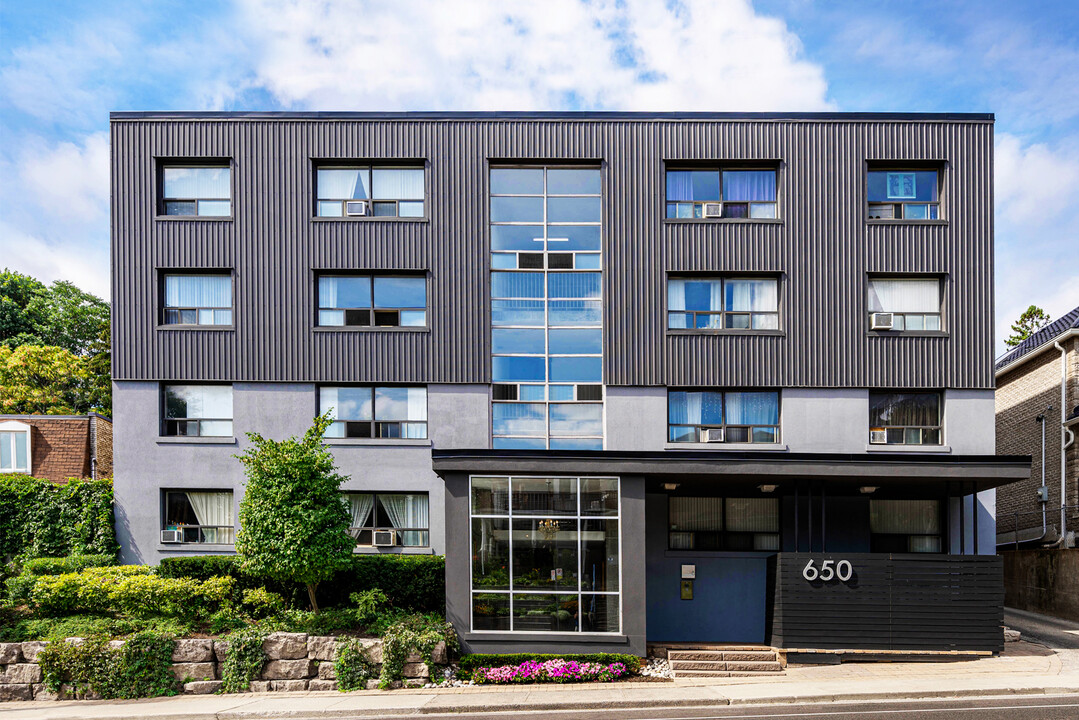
{"type": "Point", "coordinates": [718, 673]}
{"type": "Point", "coordinates": [683, 665]}
{"type": "Point", "coordinates": [772, 666]}
{"type": "Point", "coordinates": [695, 655]}
{"type": "Point", "coordinates": [722, 655]}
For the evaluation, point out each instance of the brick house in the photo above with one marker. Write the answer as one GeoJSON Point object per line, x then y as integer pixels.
{"type": "Point", "coordinates": [1028, 393]}
{"type": "Point", "coordinates": [56, 447]}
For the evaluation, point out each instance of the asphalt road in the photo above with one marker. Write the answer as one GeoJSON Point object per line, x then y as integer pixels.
{"type": "Point", "coordinates": [1011, 708]}
{"type": "Point", "coordinates": [1049, 631]}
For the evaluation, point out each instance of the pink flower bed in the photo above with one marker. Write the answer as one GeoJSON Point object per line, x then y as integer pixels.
{"type": "Point", "coordinates": [558, 671]}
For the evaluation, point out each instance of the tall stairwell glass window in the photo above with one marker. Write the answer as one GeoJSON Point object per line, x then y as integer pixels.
{"type": "Point", "coordinates": [904, 418]}
{"type": "Point", "coordinates": [197, 410]}
{"type": "Point", "coordinates": [366, 301]}
{"type": "Point", "coordinates": [375, 412]}
{"type": "Point", "coordinates": [904, 304]}
{"type": "Point", "coordinates": [198, 300]}
{"type": "Point", "coordinates": [546, 308]}
{"type": "Point", "coordinates": [718, 193]}
{"type": "Point", "coordinates": [370, 191]}
{"type": "Point", "coordinates": [196, 191]}
{"type": "Point", "coordinates": [903, 195]}
{"type": "Point", "coordinates": [704, 303]}
{"type": "Point", "coordinates": [709, 416]}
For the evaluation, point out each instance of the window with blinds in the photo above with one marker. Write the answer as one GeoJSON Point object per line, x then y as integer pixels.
{"type": "Point", "coordinates": [713, 523]}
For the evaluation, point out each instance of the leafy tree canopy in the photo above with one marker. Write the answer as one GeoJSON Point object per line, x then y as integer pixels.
{"type": "Point", "coordinates": [44, 380]}
{"type": "Point", "coordinates": [1028, 323]}
{"type": "Point", "coordinates": [60, 314]}
{"type": "Point", "coordinates": [293, 525]}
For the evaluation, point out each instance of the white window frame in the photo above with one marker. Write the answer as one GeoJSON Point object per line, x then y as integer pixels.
{"type": "Point", "coordinates": [14, 426]}
{"type": "Point", "coordinates": [579, 593]}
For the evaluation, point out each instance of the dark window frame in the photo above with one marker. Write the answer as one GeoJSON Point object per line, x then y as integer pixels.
{"type": "Point", "coordinates": [724, 426]}
{"type": "Point", "coordinates": [724, 329]}
{"type": "Point", "coordinates": [370, 164]}
{"type": "Point", "coordinates": [374, 315]}
{"type": "Point", "coordinates": [724, 536]}
{"type": "Point", "coordinates": [721, 166]}
{"type": "Point", "coordinates": [375, 428]}
{"type": "Point", "coordinates": [161, 163]}
{"type": "Point", "coordinates": [163, 309]}
{"type": "Point", "coordinates": [195, 530]}
{"type": "Point", "coordinates": [922, 429]}
{"type": "Point", "coordinates": [358, 533]}
{"type": "Point", "coordinates": [941, 314]}
{"type": "Point", "coordinates": [165, 420]}
{"type": "Point", "coordinates": [878, 541]}
{"type": "Point", "coordinates": [938, 166]}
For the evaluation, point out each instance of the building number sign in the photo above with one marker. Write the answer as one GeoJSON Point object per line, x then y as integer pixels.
{"type": "Point", "coordinates": [828, 570]}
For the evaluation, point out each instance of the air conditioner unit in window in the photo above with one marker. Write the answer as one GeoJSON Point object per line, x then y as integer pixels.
{"type": "Point", "coordinates": [711, 435]}
{"type": "Point", "coordinates": [384, 538]}
{"type": "Point", "coordinates": [712, 210]}
{"type": "Point", "coordinates": [172, 536]}
{"type": "Point", "coordinates": [880, 321]}
{"type": "Point", "coordinates": [355, 207]}
{"type": "Point", "coordinates": [878, 437]}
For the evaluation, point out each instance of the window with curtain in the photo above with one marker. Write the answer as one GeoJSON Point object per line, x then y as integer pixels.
{"type": "Point", "coordinates": [14, 447]}
{"type": "Point", "coordinates": [372, 301]}
{"type": "Point", "coordinates": [370, 191]}
{"type": "Point", "coordinates": [196, 190]}
{"type": "Point", "coordinates": [712, 303]}
{"type": "Point", "coordinates": [197, 410]}
{"type": "Point", "coordinates": [546, 555]}
{"type": "Point", "coordinates": [905, 525]}
{"type": "Point", "coordinates": [408, 514]}
{"type": "Point", "coordinates": [903, 194]}
{"type": "Point", "coordinates": [201, 516]}
{"type": "Point", "coordinates": [198, 300]}
{"type": "Point", "coordinates": [741, 193]}
{"type": "Point", "coordinates": [727, 416]}
{"type": "Point", "coordinates": [905, 418]}
{"type": "Point", "coordinates": [914, 303]}
{"type": "Point", "coordinates": [716, 523]}
{"type": "Point", "coordinates": [375, 412]}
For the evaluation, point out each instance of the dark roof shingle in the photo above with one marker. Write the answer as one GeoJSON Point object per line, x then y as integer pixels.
{"type": "Point", "coordinates": [1068, 321]}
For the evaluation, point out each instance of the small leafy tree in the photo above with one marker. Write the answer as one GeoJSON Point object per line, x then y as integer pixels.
{"type": "Point", "coordinates": [1031, 319]}
{"type": "Point", "coordinates": [293, 525]}
{"type": "Point", "coordinates": [45, 380]}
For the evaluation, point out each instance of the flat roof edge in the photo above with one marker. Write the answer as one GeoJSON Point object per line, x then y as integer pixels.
{"type": "Point", "coordinates": [438, 455]}
{"type": "Point", "coordinates": [553, 115]}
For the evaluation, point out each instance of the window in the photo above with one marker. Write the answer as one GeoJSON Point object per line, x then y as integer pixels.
{"type": "Point", "coordinates": [546, 308]}
{"type": "Point", "coordinates": [198, 300]}
{"type": "Point", "coordinates": [545, 554]}
{"type": "Point", "coordinates": [717, 303]}
{"type": "Point", "coordinates": [407, 514]}
{"type": "Point", "coordinates": [14, 447]}
{"type": "Point", "coordinates": [200, 516]}
{"type": "Point", "coordinates": [203, 191]}
{"type": "Point", "coordinates": [742, 193]}
{"type": "Point", "coordinates": [903, 195]}
{"type": "Point", "coordinates": [198, 410]}
{"type": "Point", "coordinates": [375, 412]}
{"type": "Point", "coordinates": [366, 190]}
{"type": "Point", "coordinates": [732, 417]}
{"type": "Point", "coordinates": [711, 523]}
{"type": "Point", "coordinates": [372, 301]}
{"type": "Point", "coordinates": [914, 303]}
{"type": "Point", "coordinates": [901, 526]}
{"type": "Point", "coordinates": [904, 418]}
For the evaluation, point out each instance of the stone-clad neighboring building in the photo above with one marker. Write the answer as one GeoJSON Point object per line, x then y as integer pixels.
{"type": "Point", "coordinates": [56, 447]}
{"type": "Point", "coordinates": [1029, 380]}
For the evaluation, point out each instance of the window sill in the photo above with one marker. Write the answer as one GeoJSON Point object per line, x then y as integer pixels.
{"type": "Point", "coordinates": [383, 442]}
{"type": "Point", "coordinates": [395, 550]}
{"type": "Point", "coordinates": [371, 218]}
{"type": "Point", "coordinates": [178, 326]}
{"type": "Point", "coordinates": [720, 447]}
{"type": "Point", "coordinates": [905, 222]}
{"type": "Point", "coordinates": [936, 449]}
{"type": "Point", "coordinates": [195, 218]}
{"type": "Point", "coordinates": [726, 331]}
{"type": "Point", "coordinates": [369, 329]}
{"type": "Point", "coordinates": [547, 637]}
{"type": "Point", "coordinates": [908, 333]}
{"type": "Point", "coordinates": [723, 221]}
{"type": "Point", "coordinates": [211, 548]}
{"type": "Point", "coordinates": [182, 440]}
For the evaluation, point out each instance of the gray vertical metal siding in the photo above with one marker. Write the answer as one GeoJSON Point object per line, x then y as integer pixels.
{"type": "Point", "coordinates": [822, 247]}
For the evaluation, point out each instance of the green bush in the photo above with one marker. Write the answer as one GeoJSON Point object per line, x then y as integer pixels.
{"type": "Point", "coordinates": [142, 667]}
{"type": "Point", "coordinates": [419, 633]}
{"type": "Point", "coordinates": [351, 665]}
{"type": "Point", "coordinates": [201, 567]}
{"type": "Point", "coordinates": [58, 628]}
{"type": "Point", "coordinates": [39, 518]}
{"type": "Point", "coordinates": [62, 565]}
{"type": "Point", "coordinates": [468, 663]}
{"type": "Point", "coordinates": [130, 590]}
{"type": "Point", "coordinates": [244, 659]}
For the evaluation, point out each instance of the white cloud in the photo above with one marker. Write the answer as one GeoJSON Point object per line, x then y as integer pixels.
{"type": "Point", "coordinates": [1035, 184]}
{"type": "Point", "coordinates": [488, 55]}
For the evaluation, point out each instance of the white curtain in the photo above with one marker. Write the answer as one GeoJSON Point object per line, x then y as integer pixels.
{"type": "Point", "coordinates": [193, 182]}
{"type": "Point", "coordinates": [359, 510]}
{"type": "Point", "coordinates": [198, 291]}
{"type": "Point", "coordinates": [213, 508]}
{"type": "Point", "coordinates": [407, 511]}
{"type": "Point", "coordinates": [397, 184]}
{"type": "Point", "coordinates": [752, 295]}
{"type": "Point", "coordinates": [343, 184]}
{"type": "Point", "coordinates": [904, 295]}
{"type": "Point", "coordinates": [327, 292]}
{"type": "Point", "coordinates": [676, 294]}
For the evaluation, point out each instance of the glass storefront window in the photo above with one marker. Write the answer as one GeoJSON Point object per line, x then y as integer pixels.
{"type": "Point", "coordinates": [546, 554]}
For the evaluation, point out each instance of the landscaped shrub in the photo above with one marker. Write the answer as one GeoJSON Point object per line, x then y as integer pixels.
{"type": "Point", "coordinates": [39, 518]}
{"type": "Point", "coordinates": [557, 671]}
{"type": "Point", "coordinates": [469, 663]}
{"type": "Point", "coordinates": [62, 565]}
{"type": "Point", "coordinates": [244, 659]}
{"type": "Point", "coordinates": [130, 590]}
{"type": "Point", "coordinates": [418, 633]}
{"type": "Point", "coordinates": [21, 629]}
{"type": "Point", "coordinates": [201, 567]}
{"type": "Point", "coordinates": [142, 667]}
{"type": "Point", "coordinates": [352, 667]}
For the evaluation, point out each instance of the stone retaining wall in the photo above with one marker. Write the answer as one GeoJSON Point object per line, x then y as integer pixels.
{"type": "Point", "coordinates": [295, 661]}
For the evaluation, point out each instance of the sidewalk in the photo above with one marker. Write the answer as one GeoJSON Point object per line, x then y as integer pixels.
{"type": "Point", "coordinates": [1024, 668]}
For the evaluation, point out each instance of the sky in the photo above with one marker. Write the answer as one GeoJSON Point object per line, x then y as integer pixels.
{"type": "Point", "coordinates": [65, 65]}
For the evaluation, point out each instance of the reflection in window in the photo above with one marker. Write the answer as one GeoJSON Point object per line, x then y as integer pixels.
{"type": "Point", "coordinates": [372, 301]}
{"type": "Point", "coordinates": [196, 191]}
{"type": "Point", "coordinates": [198, 410]}
{"type": "Point", "coordinates": [200, 516]}
{"type": "Point", "coordinates": [904, 418]}
{"type": "Point", "coordinates": [913, 303]}
{"type": "Point", "coordinates": [722, 417]}
{"type": "Point", "coordinates": [370, 191]}
{"type": "Point", "coordinates": [407, 515]}
{"type": "Point", "coordinates": [545, 554]}
{"type": "Point", "coordinates": [903, 195]}
{"type": "Point", "coordinates": [375, 412]}
{"type": "Point", "coordinates": [703, 303]}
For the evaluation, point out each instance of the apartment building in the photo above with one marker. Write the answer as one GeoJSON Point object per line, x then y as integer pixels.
{"type": "Point", "coordinates": [640, 377]}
